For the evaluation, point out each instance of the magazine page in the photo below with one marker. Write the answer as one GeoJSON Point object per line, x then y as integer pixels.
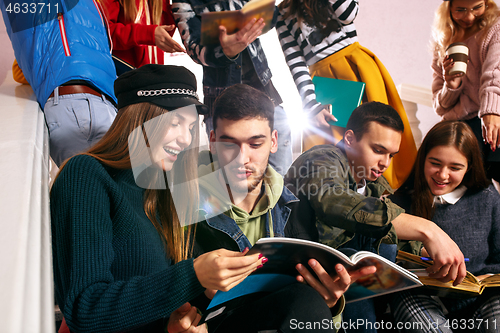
{"type": "Point", "coordinates": [285, 253]}
{"type": "Point", "coordinates": [388, 278]}
{"type": "Point", "coordinates": [250, 289]}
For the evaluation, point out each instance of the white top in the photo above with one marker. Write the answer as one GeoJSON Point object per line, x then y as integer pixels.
{"type": "Point", "coordinates": [451, 197]}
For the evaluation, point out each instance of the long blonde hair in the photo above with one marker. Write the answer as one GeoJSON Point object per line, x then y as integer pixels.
{"type": "Point", "coordinates": [130, 9]}
{"type": "Point", "coordinates": [445, 31]}
{"type": "Point", "coordinates": [174, 226]}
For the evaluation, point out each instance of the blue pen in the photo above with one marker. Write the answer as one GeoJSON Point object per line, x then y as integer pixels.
{"type": "Point", "coordinates": [430, 259]}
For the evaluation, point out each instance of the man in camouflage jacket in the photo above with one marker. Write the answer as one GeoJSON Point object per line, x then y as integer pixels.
{"type": "Point", "coordinates": [341, 190]}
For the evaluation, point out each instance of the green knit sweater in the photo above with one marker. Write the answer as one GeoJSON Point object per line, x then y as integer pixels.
{"type": "Point", "coordinates": [111, 272]}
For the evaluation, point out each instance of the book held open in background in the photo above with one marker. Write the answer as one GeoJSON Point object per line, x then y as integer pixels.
{"type": "Point", "coordinates": [234, 20]}
{"type": "Point", "coordinates": [343, 95]}
{"type": "Point", "coordinates": [285, 253]}
{"type": "Point", "coordinates": [470, 286]}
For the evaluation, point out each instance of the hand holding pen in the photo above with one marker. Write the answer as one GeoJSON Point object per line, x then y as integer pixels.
{"type": "Point", "coordinates": [430, 259]}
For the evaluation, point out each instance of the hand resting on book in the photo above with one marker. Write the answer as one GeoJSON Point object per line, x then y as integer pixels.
{"type": "Point", "coordinates": [331, 288]}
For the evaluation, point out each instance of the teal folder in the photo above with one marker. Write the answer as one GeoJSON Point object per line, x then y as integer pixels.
{"type": "Point", "coordinates": [343, 95]}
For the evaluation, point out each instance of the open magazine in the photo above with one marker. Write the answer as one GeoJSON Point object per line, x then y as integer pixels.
{"type": "Point", "coordinates": [471, 286]}
{"type": "Point", "coordinates": [234, 20]}
{"type": "Point", "coordinates": [285, 253]}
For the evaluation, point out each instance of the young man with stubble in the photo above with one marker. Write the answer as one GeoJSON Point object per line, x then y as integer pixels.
{"type": "Point", "coordinates": [243, 199]}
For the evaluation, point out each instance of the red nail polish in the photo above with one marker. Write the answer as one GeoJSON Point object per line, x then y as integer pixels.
{"type": "Point", "coordinates": [245, 249]}
{"type": "Point", "coordinates": [260, 266]}
{"type": "Point", "coordinates": [265, 260]}
{"type": "Point", "coordinates": [260, 255]}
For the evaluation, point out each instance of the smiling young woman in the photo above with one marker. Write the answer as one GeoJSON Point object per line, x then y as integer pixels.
{"type": "Point", "coordinates": [121, 242]}
{"type": "Point", "coordinates": [472, 97]}
{"type": "Point", "coordinates": [448, 185]}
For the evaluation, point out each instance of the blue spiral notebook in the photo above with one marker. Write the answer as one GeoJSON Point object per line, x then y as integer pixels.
{"type": "Point", "coordinates": [343, 95]}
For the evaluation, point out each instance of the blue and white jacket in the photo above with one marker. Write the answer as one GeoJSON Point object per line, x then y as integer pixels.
{"type": "Point", "coordinates": [71, 42]}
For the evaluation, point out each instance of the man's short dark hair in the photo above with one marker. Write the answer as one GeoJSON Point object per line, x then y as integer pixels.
{"type": "Point", "coordinates": [363, 115]}
{"type": "Point", "coordinates": [241, 101]}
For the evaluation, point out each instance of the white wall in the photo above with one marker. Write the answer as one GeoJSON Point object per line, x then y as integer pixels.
{"type": "Point", "coordinates": [398, 32]}
{"type": "Point", "coordinates": [7, 54]}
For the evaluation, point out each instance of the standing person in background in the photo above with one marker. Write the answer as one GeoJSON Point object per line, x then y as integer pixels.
{"type": "Point", "coordinates": [449, 186]}
{"type": "Point", "coordinates": [475, 96]}
{"type": "Point", "coordinates": [318, 37]}
{"type": "Point", "coordinates": [237, 58]}
{"type": "Point", "coordinates": [71, 74]}
{"type": "Point", "coordinates": [141, 30]}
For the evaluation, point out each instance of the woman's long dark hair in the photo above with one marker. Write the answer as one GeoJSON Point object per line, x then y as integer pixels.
{"type": "Point", "coordinates": [314, 12]}
{"type": "Point", "coordinates": [446, 133]}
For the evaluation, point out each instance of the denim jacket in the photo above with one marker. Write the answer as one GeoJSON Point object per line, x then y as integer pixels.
{"type": "Point", "coordinates": [221, 231]}
{"type": "Point", "coordinates": [219, 71]}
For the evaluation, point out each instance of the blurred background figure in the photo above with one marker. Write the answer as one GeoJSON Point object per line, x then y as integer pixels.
{"type": "Point", "coordinates": [236, 58]}
{"type": "Point", "coordinates": [64, 54]}
{"type": "Point", "coordinates": [141, 30]}
{"type": "Point", "coordinates": [319, 38]}
{"type": "Point", "coordinates": [474, 96]}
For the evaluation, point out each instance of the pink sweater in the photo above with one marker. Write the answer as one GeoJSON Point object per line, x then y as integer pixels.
{"type": "Point", "coordinates": [479, 93]}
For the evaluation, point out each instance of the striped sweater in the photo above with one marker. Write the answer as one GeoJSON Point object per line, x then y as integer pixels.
{"type": "Point", "coordinates": [304, 45]}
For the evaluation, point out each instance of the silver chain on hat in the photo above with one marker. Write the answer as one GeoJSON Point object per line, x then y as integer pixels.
{"type": "Point", "coordinates": [169, 91]}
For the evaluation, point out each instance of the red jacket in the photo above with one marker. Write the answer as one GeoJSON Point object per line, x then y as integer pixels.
{"type": "Point", "coordinates": [135, 42]}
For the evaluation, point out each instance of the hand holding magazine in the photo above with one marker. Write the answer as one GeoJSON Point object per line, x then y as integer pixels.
{"type": "Point", "coordinates": [285, 253]}
{"type": "Point", "coordinates": [234, 20]}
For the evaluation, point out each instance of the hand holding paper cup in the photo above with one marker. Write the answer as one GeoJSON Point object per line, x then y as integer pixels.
{"type": "Point", "coordinates": [459, 52]}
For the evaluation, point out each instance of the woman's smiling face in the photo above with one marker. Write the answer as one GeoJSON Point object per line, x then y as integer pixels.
{"type": "Point", "coordinates": [465, 12]}
{"type": "Point", "coordinates": [444, 169]}
{"type": "Point", "coordinates": [177, 138]}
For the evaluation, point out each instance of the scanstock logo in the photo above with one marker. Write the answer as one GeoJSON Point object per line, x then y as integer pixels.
{"type": "Point", "coordinates": [25, 14]}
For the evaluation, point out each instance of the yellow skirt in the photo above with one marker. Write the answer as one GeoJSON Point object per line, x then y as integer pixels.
{"type": "Point", "coordinates": [357, 63]}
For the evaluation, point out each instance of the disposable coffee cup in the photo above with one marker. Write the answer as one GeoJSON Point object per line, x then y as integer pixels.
{"type": "Point", "coordinates": [459, 52]}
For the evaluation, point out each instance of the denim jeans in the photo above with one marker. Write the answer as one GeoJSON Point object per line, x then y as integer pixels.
{"type": "Point", "coordinates": [365, 311]}
{"type": "Point", "coordinates": [282, 159]}
{"type": "Point", "coordinates": [75, 123]}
